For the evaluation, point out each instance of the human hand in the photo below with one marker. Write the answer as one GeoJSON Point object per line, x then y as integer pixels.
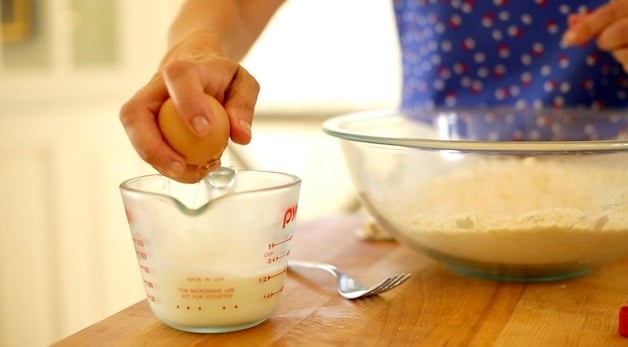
{"type": "Point", "coordinates": [189, 70]}
{"type": "Point", "coordinates": [608, 25]}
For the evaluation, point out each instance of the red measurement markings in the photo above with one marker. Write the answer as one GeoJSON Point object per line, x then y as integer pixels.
{"type": "Point", "coordinates": [151, 298]}
{"type": "Point", "coordinates": [138, 242]}
{"type": "Point", "coordinates": [267, 278]}
{"type": "Point", "coordinates": [289, 215]}
{"type": "Point", "coordinates": [149, 284]}
{"type": "Point", "coordinates": [272, 245]}
{"type": "Point", "coordinates": [271, 294]}
{"type": "Point", "coordinates": [145, 268]}
{"type": "Point", "coordinates": [277, 258]}
{"type": "Point", "coordinates": [129, 215]}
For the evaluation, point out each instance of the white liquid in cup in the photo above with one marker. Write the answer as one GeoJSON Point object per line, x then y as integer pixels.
{"type": "Point", "coordinates": [213, 302]}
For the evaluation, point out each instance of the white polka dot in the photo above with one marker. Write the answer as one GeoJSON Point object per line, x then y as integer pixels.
{"type": "Point", "coordinates": [526, 19]}
{"type": "Point", "coordinates": [514, 31]}
{"type": "Point", "coordinates": [549, 86]}
{"type": "Point", "coordinates": [546, 70]}
{"type": "Point", "coordinates": [445, 46]}
{"type": "Point", "coordinates": [455, 20]}
{"type": "Point", "coordinates": [477, 86]}
{"type": "Point", "coordinates": [514, 90]}
{"type": "Point", "coordinates": [465, 81]}
{"type": "Point", "coordinates": [503, 51]}
{"type": "Point", "coordinates": [526, 59]}
{"type": "Point", "coordinates": [500, 94]}
{"type": "Point", "coordinates": [565, 87]}
{"type": "Point", "coordinates": [564, 9]}
{"type": "Point", "coordinates": [468, 43]}
{"type": "Point", "coordinates": [497, 35]}
{"type": "Point", "coordinates": [459, 68]}
{"type": "Point", "coordinates": [439, 28]}
{"type": "Point", "coordinates": [521, 104]}
{"type": "Point", "coordinates": [537, 104]}
{"type": "Point", "coordinates": [479, 57]}
{"type": "Point", "coordinates": [559, 101]}
{"type": "Point", "coordinates": [450, 100]}
{"type": "Point", "coordinates": [435, 59]}
{"type": "Point", "coordinates": [504, 15]}
{"type": "Point", "coordinates": [482, 72]}
{"type": "Point", "coordinates": [438, 84]}
{"type": "Point", "coordinates": [499, 70]}
{"type": "Point", "coordinates": [537, 48]}
{"type": "Point", "coordinates": [534, 135]}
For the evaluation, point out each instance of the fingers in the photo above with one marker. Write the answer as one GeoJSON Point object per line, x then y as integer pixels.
{"type": "Point", "coordinates": [240, 105]}
{"type": "Point", "coordinates": [189, 71]}
{"type": "Point", "coordinates": [608, 25]}
{"type": "Point", "coordinates": [614, 36]}
{"type": "Point", "coordinates": [139, 121]}
{"type": "Point", "coordinates": [594, 23]}
{"type": "Point", "coordinates": [221, 78]}
{"type": "Point", "coordinates": [138, 117]}
{"type": "Point", "coordinates": [621, 55]}
{"type": "Point", "coordinates": [186, 91]}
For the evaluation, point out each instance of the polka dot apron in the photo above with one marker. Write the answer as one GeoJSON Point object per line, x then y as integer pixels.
{"type": "Point", "coordinates": [479, 53]}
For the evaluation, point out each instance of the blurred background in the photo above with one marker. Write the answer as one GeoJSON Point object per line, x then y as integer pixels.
{"type": "Point", "coordinates": [66, 67]}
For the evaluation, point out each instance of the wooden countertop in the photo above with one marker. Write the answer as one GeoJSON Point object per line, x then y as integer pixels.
{"type": "Point", "coordinates": [435, 307]}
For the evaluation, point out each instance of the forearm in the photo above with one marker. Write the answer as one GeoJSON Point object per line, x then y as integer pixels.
{"type": "Point", "coordinates": [227, 26]}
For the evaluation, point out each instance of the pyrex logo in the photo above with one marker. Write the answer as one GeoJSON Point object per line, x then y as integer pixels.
{"type": "Point", "coordinates": [289, 215]}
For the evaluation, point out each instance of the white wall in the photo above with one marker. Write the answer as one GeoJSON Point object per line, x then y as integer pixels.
{"type": "Point", "coordinates": [62, 229]}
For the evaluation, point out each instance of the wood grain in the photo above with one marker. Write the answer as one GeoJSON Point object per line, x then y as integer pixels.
{"type": "Point", "coordinates": [434, 308]}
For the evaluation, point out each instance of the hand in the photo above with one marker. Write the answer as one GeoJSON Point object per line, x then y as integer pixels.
{"type": "Point", "coordinates": [608, 25]}
{"type": "Point", "coordinates": [190, 69]}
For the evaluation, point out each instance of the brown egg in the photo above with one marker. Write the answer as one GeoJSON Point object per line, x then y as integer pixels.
{"type": "Point", "coordinates": [197, 151]}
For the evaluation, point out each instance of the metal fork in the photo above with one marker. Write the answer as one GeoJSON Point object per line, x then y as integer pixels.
{"type": "Point", "coordinates": [348, 287]}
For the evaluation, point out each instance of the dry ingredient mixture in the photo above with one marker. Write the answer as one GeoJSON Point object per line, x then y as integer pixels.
{"type": "Point", "coordinates": [518, 211]}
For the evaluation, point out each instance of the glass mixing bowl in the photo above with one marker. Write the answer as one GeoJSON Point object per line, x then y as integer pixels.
{"type": "Point", "coordinates": [501, 194]}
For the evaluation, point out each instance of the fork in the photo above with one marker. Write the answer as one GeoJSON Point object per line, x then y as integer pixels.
{"type": "Point", "coordinates": [348, 287]}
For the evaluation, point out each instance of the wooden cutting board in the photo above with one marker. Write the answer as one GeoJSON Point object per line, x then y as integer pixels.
{"type": "Point", "coordinates": [434, 308]}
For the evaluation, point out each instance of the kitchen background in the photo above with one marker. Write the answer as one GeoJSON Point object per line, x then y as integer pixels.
{"type": "Point", "coordinates": [66, 66]}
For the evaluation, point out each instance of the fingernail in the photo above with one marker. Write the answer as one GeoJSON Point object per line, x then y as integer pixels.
{"type": "Point", "coordinates": [176, 168]}
{"type": "Point", "coordinates": [200, 125]}
{"type": "Point", "coordinates": [569, 38]}
{"type": "Point", "coordinates": [246, 127]}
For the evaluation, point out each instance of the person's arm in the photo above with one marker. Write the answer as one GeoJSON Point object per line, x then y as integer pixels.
{"type": "Point", "coordinates": [206, 41]}
{"type": "Point", "coordinates": [231, 26]}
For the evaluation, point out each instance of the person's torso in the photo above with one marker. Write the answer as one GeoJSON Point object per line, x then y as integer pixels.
{"type": "Point", "coordinates": [469, 53]}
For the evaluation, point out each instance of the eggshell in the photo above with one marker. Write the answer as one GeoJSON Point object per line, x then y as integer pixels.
{"type": "Point", "coordinates": [195, 150]}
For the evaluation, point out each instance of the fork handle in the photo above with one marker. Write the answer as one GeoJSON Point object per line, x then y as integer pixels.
{"type": "Point", "coordinates": [293, 263]}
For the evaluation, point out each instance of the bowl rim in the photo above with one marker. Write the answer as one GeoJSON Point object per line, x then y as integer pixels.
{"type": "Point", "coordinates": [334, 127]}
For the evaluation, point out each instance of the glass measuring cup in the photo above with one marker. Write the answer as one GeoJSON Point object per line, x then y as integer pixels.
{"type": "Point", "coordinates": [213, 255]}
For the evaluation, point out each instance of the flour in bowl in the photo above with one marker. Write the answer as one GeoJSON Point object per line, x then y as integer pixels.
{"type": "Point", "coordinates": [516, 211]}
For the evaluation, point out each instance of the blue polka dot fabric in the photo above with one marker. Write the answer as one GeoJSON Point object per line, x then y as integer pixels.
{"type": "Point", "coordinates": [502, 52]}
